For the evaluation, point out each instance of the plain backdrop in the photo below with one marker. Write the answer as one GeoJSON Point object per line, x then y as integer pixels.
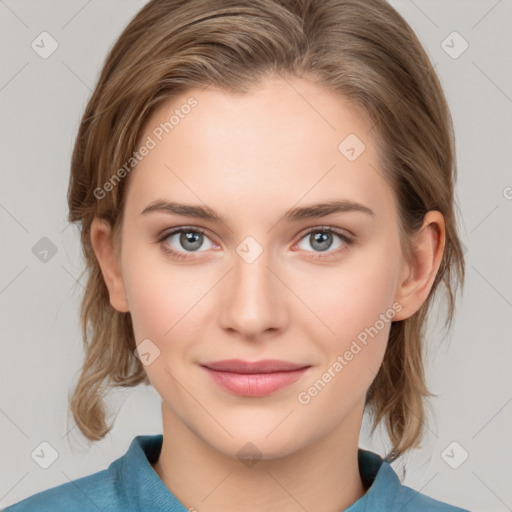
{"type": "Point", "coordinates": [465, 457]}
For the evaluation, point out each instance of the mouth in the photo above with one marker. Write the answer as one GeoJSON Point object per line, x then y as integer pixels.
{"type": "Point", "coordinates": [259, 378]}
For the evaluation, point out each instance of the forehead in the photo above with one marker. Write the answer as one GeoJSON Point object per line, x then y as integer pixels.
{"type": "Point", "coordinates": [286, 142]}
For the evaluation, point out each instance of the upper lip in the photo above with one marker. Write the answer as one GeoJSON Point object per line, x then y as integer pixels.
{"type": "Point", "coordinates": [265, 366]}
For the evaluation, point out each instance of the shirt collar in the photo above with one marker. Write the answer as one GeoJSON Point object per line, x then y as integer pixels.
{"type": "Point", "coordinates": [143, 489]}
{"type": "Point", "coordinates": [139, 483]}
{"type": "Point", "coordinates": [379, 478]}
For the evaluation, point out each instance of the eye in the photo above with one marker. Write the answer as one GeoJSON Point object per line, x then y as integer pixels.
{"type": "Point", "coordinates": [321, 239]}
{"type": "Point", "coordinates": [189, 240]}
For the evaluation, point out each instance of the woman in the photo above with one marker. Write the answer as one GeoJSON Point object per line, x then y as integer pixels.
{"type": "Point", "coordinates": [265, 191]}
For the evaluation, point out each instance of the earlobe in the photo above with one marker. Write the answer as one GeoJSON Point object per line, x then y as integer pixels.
{"type": "Point", "coordinates": [103, 247]}
{"type": "Point", "coordinates": [419, 273]}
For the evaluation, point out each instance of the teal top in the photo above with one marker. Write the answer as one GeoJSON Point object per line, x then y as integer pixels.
{"type": "Point", "coordinates": [131, 484]}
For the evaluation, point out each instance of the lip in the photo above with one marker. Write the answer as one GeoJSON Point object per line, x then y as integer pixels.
{"type": "Point", "coordinates": [259, 378]}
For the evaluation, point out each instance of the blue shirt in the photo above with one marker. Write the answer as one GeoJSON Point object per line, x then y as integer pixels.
{"type": "Point", "coordinates": [131, 484]}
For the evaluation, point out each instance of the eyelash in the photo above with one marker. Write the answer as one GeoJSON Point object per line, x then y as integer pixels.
{"type": "Point", "coordinates": [348, 241]}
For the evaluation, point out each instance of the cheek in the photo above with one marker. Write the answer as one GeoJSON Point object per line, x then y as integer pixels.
{"type": "Point", "coordinates": [351, 297]}
{"type": "Point", "coordinates": [353, 307]}
{"type": "Point", "coordinates": [358, 311]}
{"type": "Point", "coordinates": [156, 294]}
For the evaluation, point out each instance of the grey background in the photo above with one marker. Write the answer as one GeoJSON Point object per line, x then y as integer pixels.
{"type": "Point", "coordinates": [41, 103]}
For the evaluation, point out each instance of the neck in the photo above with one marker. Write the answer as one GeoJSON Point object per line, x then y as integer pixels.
{"type": "Point", "coordinates": [323, 476]}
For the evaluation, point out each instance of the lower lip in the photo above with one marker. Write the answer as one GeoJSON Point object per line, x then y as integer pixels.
{"type": "Point", "coordinates": [255, 384]}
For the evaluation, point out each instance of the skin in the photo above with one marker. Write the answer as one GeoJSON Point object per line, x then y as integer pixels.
{"type": "Point", "coordinates": [251, 158]}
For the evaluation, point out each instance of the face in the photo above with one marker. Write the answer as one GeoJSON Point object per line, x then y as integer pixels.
{"type": "Point", "coordinates": [261, 283]}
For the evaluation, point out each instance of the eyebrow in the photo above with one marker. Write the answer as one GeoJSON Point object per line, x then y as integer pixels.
{"type": "Point", "coordinates": [312, 211]}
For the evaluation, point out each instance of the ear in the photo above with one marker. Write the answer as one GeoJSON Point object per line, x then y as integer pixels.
{"type": "Point", "coordinates": [103, 246]}
{"type": "Point", "coordinates": [419, 273]}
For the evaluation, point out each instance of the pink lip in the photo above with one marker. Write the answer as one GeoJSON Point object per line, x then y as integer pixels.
{"type": "Point", "coordinates": [258, 378]}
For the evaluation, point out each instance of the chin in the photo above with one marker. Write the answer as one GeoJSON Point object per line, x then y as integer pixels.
{"type": "Point", "coordinates": [249, 446]}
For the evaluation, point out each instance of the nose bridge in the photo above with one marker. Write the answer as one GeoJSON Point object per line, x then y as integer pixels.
{"type": "Point", "coordinates": [253, 301]}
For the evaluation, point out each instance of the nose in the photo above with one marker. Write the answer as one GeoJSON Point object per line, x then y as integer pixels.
{"type": "Point", "coordinates": [253, 298]}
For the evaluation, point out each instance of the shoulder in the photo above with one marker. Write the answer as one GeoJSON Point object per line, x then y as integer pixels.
{"type": "Point", "coordinates": [409, 500]}
{"type": "Point", "coordinates": [93, 492]}
{"type": "Point", "coordinates": [121, 487]}
{"type": "Point", "coordinates": [386, 492]}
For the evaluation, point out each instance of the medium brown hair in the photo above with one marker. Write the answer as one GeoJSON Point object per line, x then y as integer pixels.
{"type": "Point", "coordinates": [363, 50]}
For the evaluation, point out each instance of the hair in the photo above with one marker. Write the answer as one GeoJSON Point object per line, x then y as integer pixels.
{"type": "Point", "coordinates": [361, 49]}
